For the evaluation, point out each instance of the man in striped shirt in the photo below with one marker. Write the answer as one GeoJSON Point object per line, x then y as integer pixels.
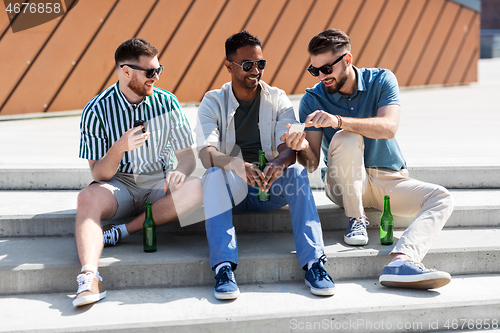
{"type": "Point", "coordinates": [131, 163]}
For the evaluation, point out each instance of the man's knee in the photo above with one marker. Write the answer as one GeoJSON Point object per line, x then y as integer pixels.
{"type": "Point", "coordinates": [345, 140]}
{"type": "Point", "coordinates": [445, 198]}
{"type": "Point", "coordinates": [297, 170]}
{"type": "Point", "coordinates": [194, 189]}
{"type": "Point", "coordinates": [97, 199]}
{"type": "Point", "coordinates": [210, 173]}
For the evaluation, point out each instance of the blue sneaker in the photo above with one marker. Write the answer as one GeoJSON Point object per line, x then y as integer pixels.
{"type": "Point", "coordinates": [225, 285]}
{"type": "Point", "coordinates": [409, 274]}
{"type": "Point", "coordinates": [318, 279]}
{"type": "Point", "coordinates": [356, 232]}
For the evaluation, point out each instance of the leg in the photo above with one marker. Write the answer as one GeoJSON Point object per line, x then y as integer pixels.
{"type": "Point", "coordinates": [346, 180]}
{"type": "Point", "coordinates": [218, 207]}
{"type": "Point", "coordinates": [95, 203]}
{"type": "Point", "coordinates": [347, 183]}
{"type": "Point", "coordinates": [172, 205]}
{"type": "Point", "coordinates": [220, 190]}
{"type": "Point", "coordinates": [432, 204]}
{"type": "Point", "coordinates": [293, 188]}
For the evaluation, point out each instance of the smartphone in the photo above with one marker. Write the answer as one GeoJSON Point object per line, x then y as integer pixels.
{"type": "Point", "coordinates": [139, 123]}
{"type": "Point", "coordinates": [297, 128]}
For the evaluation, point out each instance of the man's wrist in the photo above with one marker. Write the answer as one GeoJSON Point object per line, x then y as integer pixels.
{"type": "Point", "coordinates": [230, 166]}
{"type": "Point", "coordinates": [339, 121]}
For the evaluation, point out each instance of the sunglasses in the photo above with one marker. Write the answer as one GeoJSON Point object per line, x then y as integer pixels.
{"type": "Point", "coordinates": [325, 69]}
{"type": "Point", "coordinates": [149, 72]}
{"type": "Point", "coordinates": [248, 65]}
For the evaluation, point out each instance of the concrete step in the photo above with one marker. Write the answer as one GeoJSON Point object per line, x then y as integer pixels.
{"type": "Point", "coordinates": [466, 304]}
{"type": "Point", "coordinates": [52, 213]}
{"type": "Point", "coordinates": [43, 178]}
{"type": "Point", "coordinates": [45, 265]}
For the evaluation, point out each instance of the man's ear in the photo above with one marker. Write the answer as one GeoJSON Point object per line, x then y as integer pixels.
{"type": "Point", "coordinates": [125, 71]}
{"type": "Point", "coordinates": [348, 58]}
{"type": "Point", "coordinates": [228, 64]}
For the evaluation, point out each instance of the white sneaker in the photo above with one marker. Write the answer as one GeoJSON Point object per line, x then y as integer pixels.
{"type": "Point", "coordinates": [90, 288]}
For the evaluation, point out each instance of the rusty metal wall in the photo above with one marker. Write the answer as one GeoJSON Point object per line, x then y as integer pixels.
{"type": "Point", "coordinates": [62, 64]}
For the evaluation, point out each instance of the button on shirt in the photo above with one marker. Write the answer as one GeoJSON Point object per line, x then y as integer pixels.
{"type": "Point", "coordinates": [109, 115]}
{"type": "Point", "coordinates": [376, 88]}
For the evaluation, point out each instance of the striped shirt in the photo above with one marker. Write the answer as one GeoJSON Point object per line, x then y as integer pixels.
{"type": "Point", "coordinates": [109, 115]}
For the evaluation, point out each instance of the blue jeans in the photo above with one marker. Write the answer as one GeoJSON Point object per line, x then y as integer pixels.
{"type": "Point", "coordinates": [225, 193]}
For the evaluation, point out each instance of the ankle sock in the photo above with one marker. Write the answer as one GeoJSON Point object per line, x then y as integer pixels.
{"type": "Point", "coordinates": [311, 262]}
{"type": "Point", "coordinates": [123, 230]}
{"type": "Point", "coordinates": [91, 268]}
{"type": "Point", "coordinates": [220, 266]}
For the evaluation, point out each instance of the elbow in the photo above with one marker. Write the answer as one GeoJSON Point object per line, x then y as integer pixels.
{"type": "Point", "coordinates": [205, 159]}
{"type": "Point", "coordinates": [390, 135]}
{"type": "Point", "coordinates": [311, 167]}
{"type": "Point", "coordinates": [205, 164]}
{"type": "Point", "coordinates": [100, 178]}
{"type": "Point", "coordinates": [390, 132]}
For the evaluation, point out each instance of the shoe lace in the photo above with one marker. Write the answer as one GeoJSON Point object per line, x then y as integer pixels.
{"type": "Point", "coordinates": [422, 267]}
{"type": "Point", "coordinates": [358, 226]}
{"type": "Point", "coordinates": [319, 271]}
{"type": "Point", "coordinates": [225, 274]}
{"type": "Point", "coordinates": [85, 281]}
{"type": "Point", "coordinates": [111, 236]}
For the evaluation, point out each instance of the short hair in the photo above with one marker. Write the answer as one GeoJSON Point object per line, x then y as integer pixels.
{"type": "Point", "coordinates": [243, 38]}
{"type": "Point", "coordinates": [132, 49]}
{"type": "Point", "coordinates": [333, 40]}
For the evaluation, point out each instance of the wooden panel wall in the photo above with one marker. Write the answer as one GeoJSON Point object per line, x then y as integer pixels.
{"type": "Point", "coordinates": [62, 64]}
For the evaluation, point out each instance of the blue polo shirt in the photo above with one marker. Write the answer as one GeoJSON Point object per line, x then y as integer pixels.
{"type": "Point", "coordinates": [376, 88]}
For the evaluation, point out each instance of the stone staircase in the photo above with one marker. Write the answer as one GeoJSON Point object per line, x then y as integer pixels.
{"type": "Point", "coordinates": [171, 289]}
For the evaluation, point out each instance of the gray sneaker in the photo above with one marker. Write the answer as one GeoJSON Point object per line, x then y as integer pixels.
{"type": "Point", "coordinates": [356, 232]}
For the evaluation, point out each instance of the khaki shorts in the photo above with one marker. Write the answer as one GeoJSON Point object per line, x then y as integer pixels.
{"type": "Point", "coordinates": [133, 191]}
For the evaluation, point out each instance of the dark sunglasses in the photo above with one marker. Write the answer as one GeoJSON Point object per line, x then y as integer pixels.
{"type": "Point", "coordinates": [149, 72]}
{"type": "Point", "coordinates": [248, 65]}
{"type": "Point", "coordinates": [325, 69]}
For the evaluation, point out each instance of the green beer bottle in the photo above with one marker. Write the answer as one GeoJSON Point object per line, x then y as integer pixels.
{"type": "Point", "coordinates": [149, 230]}
{"type": "Point", "coordinates": [261, 195]}
{"type": "Point", "coordinates": [386, 223]}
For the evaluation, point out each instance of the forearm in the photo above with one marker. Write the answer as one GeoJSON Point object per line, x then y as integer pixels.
{"type": "Point", "coordinates": [286, 157]}
{"type": "Point", "coordinates": [373, 128]}
{"type": "Point", "coordinates": [186, 161]}
{"type": "Point", "coordinates": [308, 159]}
{"type": "Point", "coordinates": [105, 168]}
{"type": "Point", "coordinates": [211, 157]}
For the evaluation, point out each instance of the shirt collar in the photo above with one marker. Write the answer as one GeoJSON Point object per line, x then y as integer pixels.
{"type": "Point", "coordinates": [124, 101]}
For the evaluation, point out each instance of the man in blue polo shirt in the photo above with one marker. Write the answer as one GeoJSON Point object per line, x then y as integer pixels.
{"type": "Point", "coordinates": [352, 115]}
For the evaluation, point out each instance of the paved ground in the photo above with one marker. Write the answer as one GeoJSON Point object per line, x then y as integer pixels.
{"type": "Point", "coordinates": [440, 126]}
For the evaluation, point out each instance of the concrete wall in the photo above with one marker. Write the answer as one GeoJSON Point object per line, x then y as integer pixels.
{"type": "Point", "coordinates": [62, 64]}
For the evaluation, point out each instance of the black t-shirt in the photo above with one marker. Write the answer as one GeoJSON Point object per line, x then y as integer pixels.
{"type": "Point", "coordinates": [246, 121]}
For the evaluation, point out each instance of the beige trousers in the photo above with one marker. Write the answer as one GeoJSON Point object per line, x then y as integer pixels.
{"type": "Point", "coordinates": [352, 186]}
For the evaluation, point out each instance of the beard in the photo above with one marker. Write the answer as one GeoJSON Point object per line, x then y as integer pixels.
{"type": "Point", "coordinates": [339, 82]}
{"type": "Point", "coordinates": [139, 88]}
